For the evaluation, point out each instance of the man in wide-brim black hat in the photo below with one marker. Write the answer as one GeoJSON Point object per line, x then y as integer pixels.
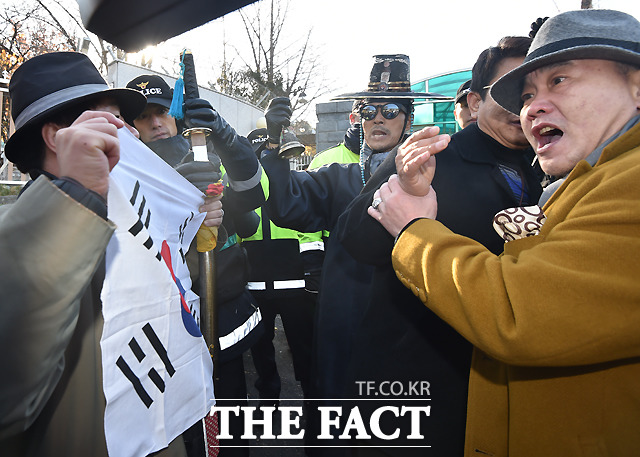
{"type": "Point", "coordinates": [388, 95]}
{"type": "Point", "coordinates": [554, 318]}
{"type": "Point", "coordinates": [313, 200]}
{"type": "Point", "coordinates": [52, 242]}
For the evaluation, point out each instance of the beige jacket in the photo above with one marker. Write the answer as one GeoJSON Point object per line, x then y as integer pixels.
{"type": "Point", "coordinates": [51, 273]}
{"type": "Point", "coordinates": [555, 320]}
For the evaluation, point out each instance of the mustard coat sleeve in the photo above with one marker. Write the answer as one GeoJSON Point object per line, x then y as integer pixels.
{"type": "Point", "coordinates": [50, 246]}
{"type": "Point", "coordinates": [568, 296]}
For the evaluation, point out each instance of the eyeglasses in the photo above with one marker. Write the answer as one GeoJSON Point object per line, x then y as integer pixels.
{"type": "Point", "coordinates": [388, 110]}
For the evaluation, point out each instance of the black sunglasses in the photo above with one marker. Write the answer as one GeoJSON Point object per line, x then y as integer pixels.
{"type": "Point", "coordinates": [388, 110]}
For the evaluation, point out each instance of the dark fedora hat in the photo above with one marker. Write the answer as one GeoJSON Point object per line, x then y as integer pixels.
{"type": "Point", "coordinates": [49, 83]}
{"type": "Point", "coordinates": [389, 78]}
{"type": "Point", "coordinates": [154, 88]}
{"type": "Point", "coordinates": [582, 34]}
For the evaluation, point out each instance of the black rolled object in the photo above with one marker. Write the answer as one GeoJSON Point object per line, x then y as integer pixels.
{"type": "Point", "coordinates": [135, 25]}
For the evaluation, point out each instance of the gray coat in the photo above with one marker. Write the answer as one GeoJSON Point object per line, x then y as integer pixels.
{"type": "Point", "coordinates": [51, 274]}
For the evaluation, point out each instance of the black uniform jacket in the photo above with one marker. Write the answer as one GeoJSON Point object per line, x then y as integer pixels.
{"type": "Point", "coordinates": [399, 338]}
{"type": "Point", "coordinates": [309, 201]}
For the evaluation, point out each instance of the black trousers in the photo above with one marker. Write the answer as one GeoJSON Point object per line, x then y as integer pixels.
{"type": "Point", "coordinates": [296, 308]}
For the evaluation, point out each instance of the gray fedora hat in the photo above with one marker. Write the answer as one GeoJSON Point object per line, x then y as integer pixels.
{"type": "Point", "coordinates": [582, 34]}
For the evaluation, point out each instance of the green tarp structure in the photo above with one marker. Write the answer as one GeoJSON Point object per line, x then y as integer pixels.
{"type": "Point", "coordinates": [435, 112]}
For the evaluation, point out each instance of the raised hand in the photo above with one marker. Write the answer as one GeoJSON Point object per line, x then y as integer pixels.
{"type": "Point", "coordinates": [278, 116]}
{"type": "Point", "coordinates": [88, 149]}
{"type": "Point", "coordinates": [415, 162]}
{"type": "Point", "coordinates": [198, 112]}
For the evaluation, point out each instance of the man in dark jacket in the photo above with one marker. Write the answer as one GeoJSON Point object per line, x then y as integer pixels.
{"type": "Point", "coordinates": [485, 169]}
{"type": "Point", "coordinates": [313, 200]}
{"type": "Point", "coordinates": [278, 283]}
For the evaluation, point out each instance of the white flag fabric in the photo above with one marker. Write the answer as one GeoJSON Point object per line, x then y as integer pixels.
{"type": "Point", "coordinates": [157, 371]}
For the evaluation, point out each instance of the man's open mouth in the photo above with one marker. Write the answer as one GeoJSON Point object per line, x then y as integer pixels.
{"type": "Point", "coordinates": [547, 135]}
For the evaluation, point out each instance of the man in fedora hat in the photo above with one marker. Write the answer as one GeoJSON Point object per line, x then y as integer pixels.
{"type": "Point", "coordinates": [485, 169]}
{"type": "Point", "coordinates": [52, 243]}
{"type": "Point", "coordinates": [555, 318]}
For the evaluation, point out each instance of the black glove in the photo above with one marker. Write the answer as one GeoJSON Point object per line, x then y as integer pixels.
{"type": "Point", "coordinates": [198, 112]}
{"type": "Point", "coordinates": [245, 224]}
{"type": "Point", "coordinates": [200, 174]}
{"type": "Point", "coordinates": [278, 115]}
{"type": "Point", "coordinates": [352, 138]}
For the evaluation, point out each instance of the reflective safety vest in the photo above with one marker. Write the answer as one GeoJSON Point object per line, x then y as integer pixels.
{"type": "Point", "coordinates": [336, 154]}
{"type": "Point", "coordinates": [275, 254]}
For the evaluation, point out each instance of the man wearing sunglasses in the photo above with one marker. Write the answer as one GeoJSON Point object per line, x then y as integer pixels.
{"type": "Point", "coordinates": [399, 340]}
{"type": "Point", "coordinates": [387, 123]}
{"type": "Point", "coordinates": [313, 200]}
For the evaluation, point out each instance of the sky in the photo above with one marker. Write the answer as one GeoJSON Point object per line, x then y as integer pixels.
{"type": "Point", "coordinates": [438, 36]}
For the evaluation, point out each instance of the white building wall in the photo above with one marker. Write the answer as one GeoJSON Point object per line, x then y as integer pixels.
{"type": "Point", "coordinates": [241, 115]}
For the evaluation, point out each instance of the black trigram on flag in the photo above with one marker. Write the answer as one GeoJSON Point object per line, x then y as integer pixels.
{"type": "Point", "coordinates": [153, 375]}
{"type": "Point", "coordinates": [181, 229]}
{"type": "Point", "coordinates": [144, 214]}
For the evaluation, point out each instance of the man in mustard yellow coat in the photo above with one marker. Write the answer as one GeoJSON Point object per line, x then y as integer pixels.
{"type": "Point", "coordinates": [555, 319]}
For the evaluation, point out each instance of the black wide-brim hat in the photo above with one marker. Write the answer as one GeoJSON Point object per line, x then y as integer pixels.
{"type": "Point", "coordinates": [582, 34]}
{"type": "Point", "coordinates": [50, 83]}
{"type": "Point", "coordinates": [389, 79]}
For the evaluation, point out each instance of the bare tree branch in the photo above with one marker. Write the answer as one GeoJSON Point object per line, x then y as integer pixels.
{"type": "Point", "coordinates": [276, 67]}
{"type": "Point", "coordinates": [70, 40]}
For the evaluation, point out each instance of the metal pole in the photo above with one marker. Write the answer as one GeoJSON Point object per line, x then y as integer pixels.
{"type": "Point", "coordinates": [207, 261]}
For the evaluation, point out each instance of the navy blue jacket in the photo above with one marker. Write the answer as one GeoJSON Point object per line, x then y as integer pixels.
{"type": "Point", "coordinates": [309, 201]}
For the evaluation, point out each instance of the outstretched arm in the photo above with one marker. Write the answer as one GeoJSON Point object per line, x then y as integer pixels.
{"type": "Point", "coordinates": [235, 151]}
{"type": "Point", "coordinates": [408, 195]}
